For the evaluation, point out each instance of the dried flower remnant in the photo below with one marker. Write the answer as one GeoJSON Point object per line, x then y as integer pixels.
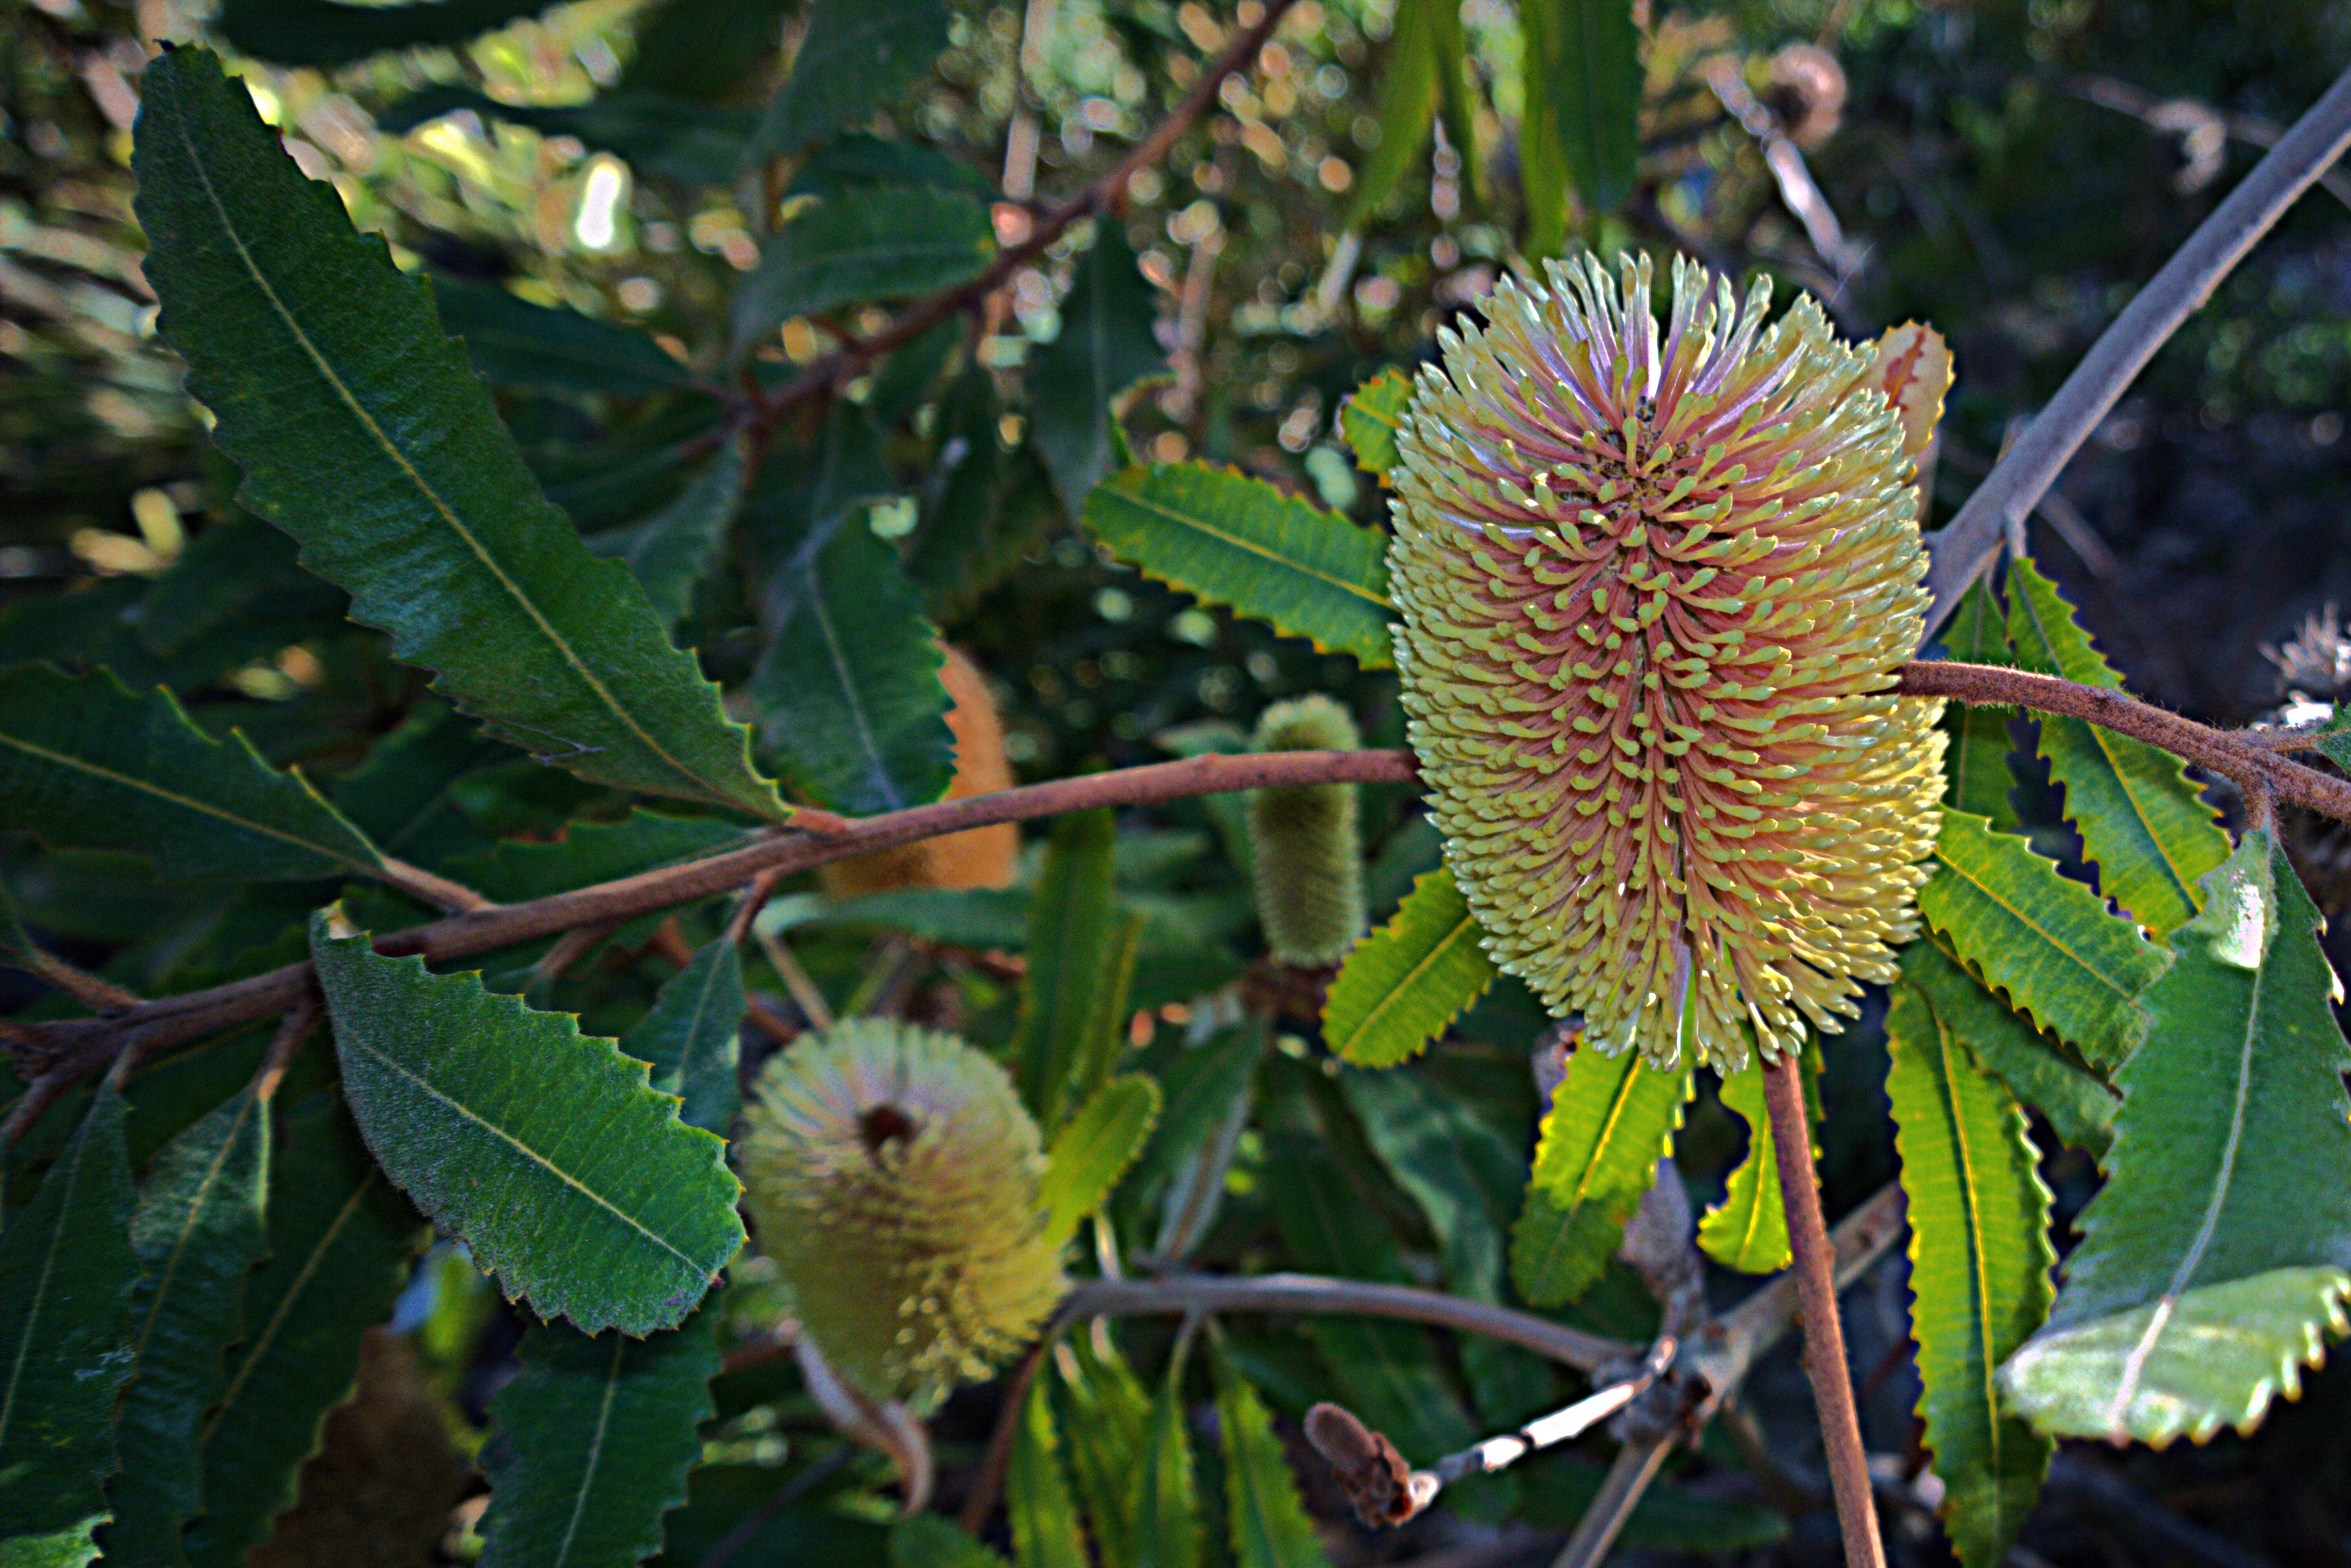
{"type": "Point", "coordinates": [1653, 588]}
{"type": "Point", "coordinates": [891, 1173]}
{"type": "Point", "coordinates": [1307, 852]}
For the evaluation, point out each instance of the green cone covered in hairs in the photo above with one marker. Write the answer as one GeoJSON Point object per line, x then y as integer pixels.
{"type": "Point", "coordinates": [1308, 852]}
{"type": "Point", "coordinates": [1654, 584]}
{"type": "Point", "coordinates": [891, 1173]}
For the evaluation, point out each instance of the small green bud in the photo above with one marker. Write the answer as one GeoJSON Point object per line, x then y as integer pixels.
{"type": "Point", "coordinates": [1308, 851]}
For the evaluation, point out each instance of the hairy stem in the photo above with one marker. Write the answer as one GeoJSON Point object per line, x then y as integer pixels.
{"type": "Point", "coordinates": [1815, 1272]}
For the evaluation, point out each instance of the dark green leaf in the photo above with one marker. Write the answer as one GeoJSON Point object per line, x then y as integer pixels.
{"type": "Point", "coordinates": [200, 1226]}
{"type": "Point", "coordinates": [339, 1241]}
{"type": "Point", "coordinates": [327, 33]}
{"type": "Point", "coordinates": [516, 871]}
{"type": "Point", "coordinates": [238, 567]}
{"type": "Point", "coordinates": [1206, 1086]}
{"type": "Point", "coordinates": [2005, 1044]}
{"type": "Point", "coordinates": [1238, 541]}
{"type": "Point", "coordinates": [1371, 419]}
{"type": "Point", "coordinates": [876, 243]}
{"type": "Point", "coordinates": [2048, 942]}
{"type": "Point", "coordinates": [1457, 102]}
{"type": "Point", "coordinates": [1037, 1501]}
{"type": "Point", "coordinates": [691, 1034]}
{"type": "Point", "coordinates": [403, 795]}
{"type": "Point", "coordinates": [2141, 820]}
{"type": "Point", "coordinates": [1408, 108]}
{"type": "Point", "coordinates": [1748, 1230]}
{"type": "Point", "coordinates": [1264, 1516]}
{"type": "Point", "coordinates": [1168, 1519]}
{"type": "Point", "coordinates": [1585, 77]}
{"type": "Point", "coordinates": [701, 49]}
{"type": "Point", "coordinates": [855, 56]}
{"type": "Point", "coordinates": [1403, 984]}
{"type": "Point", "coordinates": [1092, 1149]}
{"type": "Point", "coordinates": [857, 159]}
{"type": "Point", "coordinates": [1081, 962]}
{"type": "Point", "coordinates": [2213, 1263]}
{"type": "Point", "coordinates": [512, 343]}
{"type": "Point", "coordinates": [670, 550]}
{"type": "Point", "coordinates": [1610, 1120]}
{"type": "Point", "coordinates": [668, 138]}
{"type": "Point", "coordinates": [1109, 1426]}
{"type": "Point", "coordinates": [1976, 764]}
{"type": "Point", "coordinates": [1980, 1262]}
{"type": "Point", "coordinates": [598, 1435]}
{"type": "Point", "coordinates": [85, 764]}
{"type": "Point", "coordinates": [363, 432]}
{"type": "Point", "coordinates": [65, 1271]}
{"type": "Point", "coordinates": [960, 548]}
{"type": "Point", "coordinates": [1106, 345]}
{"type": "Point", "coordinates": [542, 1148]}
{"type": "Point", "coordinates": [927, 1540]}
{"type": "Point", "coordinates": [1543, 176]}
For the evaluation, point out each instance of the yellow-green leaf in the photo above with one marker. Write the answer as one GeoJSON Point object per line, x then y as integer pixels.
{"type": "Point", "coordinates": [1610, 1120]}
{"type": "Point", "coordinates": [1405, 981]}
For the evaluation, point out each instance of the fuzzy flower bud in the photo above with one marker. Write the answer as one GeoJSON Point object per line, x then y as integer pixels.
{"type": "Point", "coordinates": [1308, 855]}
{"type": "Point", "coordinates": [891, 1173]}
{"type": "Point", "coordinates": [1654, 586]}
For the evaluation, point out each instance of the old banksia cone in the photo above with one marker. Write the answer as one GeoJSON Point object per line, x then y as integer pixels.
{"type": "Point", "coordinates": [1654, 586]}
{"type": "Point", "coordinates": [1307, 852]}
{"type": "Point", "coordinates": [891, 1173]}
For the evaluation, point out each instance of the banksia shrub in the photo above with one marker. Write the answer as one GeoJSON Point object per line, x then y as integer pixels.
{"type": "Point", "coordinates": [1654, 585]}
{"type": "Point", "coordinates": [891, 1173]}
{"type": "Point", "coordinates": [1308, 852]}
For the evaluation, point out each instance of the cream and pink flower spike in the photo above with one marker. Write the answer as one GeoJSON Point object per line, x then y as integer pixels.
{"type": "Point", "coordinates": [1654, 585]}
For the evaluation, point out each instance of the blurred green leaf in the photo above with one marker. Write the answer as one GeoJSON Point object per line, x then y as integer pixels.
{"type": "Point", "coordinates": [403, 795]}
{"type": "Point", "coordinates": [927, 1540]}
{"type": "Point", "coordinates": [2142, 822]}
{"type": "Point", "coordinates": [963, 546]}
{"type": "Point", "coordinates": [856, 160]}
{"type": "Point", "coordinates": [87, 765]}
{"type": "Point", "coordinates": [363, 432]}
{"type": "Point", "coordinates": [200, 1226]}
{"type": "Point", "coordinates": [512, 343]}
{"type": "Point", "coordinates": [2005, 1044]}
{"type": "Point", "coordinates": [597, 1436]}
{"type": "Point", "coordinates": [1167, 1532]}
{"type": "Point", "coordinates": [855, 56]}
{"type": "Point", "coordinates": [1109, 1426]}
{"type": "Point", "coordinates": [1093, 1148]}
{"type": "Point", "coordinates": [1238, 541]}
{"type": "Point", "coordinates": [1372, 418]}
{"type": "Point", "coordinates": [542, 1148]}
{"type": "Point", "coordinates": [1403, 984]}
{"type": "Point", "coordinates": [1037, 1501]}
{"type": "Point", "coordinates": [2047, 942]}
{"type": "Point", "coordinates": [1980, 1262]}
{"type": "Point", "coordinates": [1976, 766]}
{"type": "Point", "coordinates": [691, 1037]}
{"type": "Point", "coordinates": [1748, 1230]}
{"type": "Point", "coordinates": [67, 1270]}
{"type": "Point", "coordinates": [328, 33]}
{"type": "Point", "coordinates": [1583, 76]}
{"type": "Point", "coordinates": [1612, 1119]}
{"type": "Point", "coordinates": [2213, 1263]}
{"type": "Point", "coordinates": [669, 551]}
{"type": "Point", "coordinates": [515, 871]}
{"type": "Point", "coordinates": [1080, 961]}
{"type": "Point", "coordinates": [1458, 101]}
{"type": "Point", "coordinates": [1408, 108]}
{"type": "Point", "coordinates": [1265, 1520]}
{"type": "Point", "coordinates": [1107, 343]}
{"type": "Point", "coordinates": [340, 1241]}
{"type": "Point", "coordinates": [668, 138]}
{"type": "Point", "coordinates": [701, 49]}
{"type": "Point", "coordinates": [879, 243]}
{"type": "Point", "coordinates": [238, 567]}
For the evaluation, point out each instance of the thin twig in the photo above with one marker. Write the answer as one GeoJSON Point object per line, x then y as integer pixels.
{"type": "Point", "coordinates": [1174, 1293]}
{"type": "Point", "coordinates": [1962, 551]}
{"type": "Point", "coordinates": [100, 995]}
{"type": "Point", "coordinates": [1634, 1467]}
{"type": "Point", "coordinates": [1814, 1269]}
{"type": "Point", "coordinates": [426, 888]}
{"type": "Point", "coordinates": [291, 1033]}
{"type": "Point", "coordinates": [575, 945]}
{"type": "Point", "coordinates": [804, 993]}
{"type": "Point", "coordinates": [755, 898]}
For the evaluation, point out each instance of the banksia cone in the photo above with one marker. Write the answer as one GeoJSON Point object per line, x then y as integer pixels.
{"type": "Point", "coordinates": [1308, 853]}
{"type": "Point", "coordinates": [891, 1173]}
{"type": "Point", "coordinates": [1653, 588]}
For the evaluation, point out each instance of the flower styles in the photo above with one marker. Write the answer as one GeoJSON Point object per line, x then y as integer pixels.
{"type": "Point", "coordinates": [1653, 588]}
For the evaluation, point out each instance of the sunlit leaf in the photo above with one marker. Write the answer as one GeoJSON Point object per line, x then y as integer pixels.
{"type": "Point", "coordinates": [1585, 76]}
{"type": "Point", "coordinates": [1371, 419]}
{"type": "Point", "coordinates": [1976, 766]}
{"type": "Point", "coordinates": [1106, 345]}
{"type": "Point", "coordinates": [1748, 1230]}
{"type": "Point", "coordinates": [1093, 1148]}
{"type": "Point", "coordinates": [2004, 1044]}
{"type": "Point", "coordinates": [1037, 1501]}
{"type": "Point", "coordinates": [1610, 1120]}
{"type": "Point", "coordinates": [1405, 982]}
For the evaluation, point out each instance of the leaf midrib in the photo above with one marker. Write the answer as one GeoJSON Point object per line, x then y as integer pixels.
{"type": "Point", "coordinates": [41, 1291]}
{"type": "Point", "coordinates": [1252, 548]}
{"type": "Point", "coordinates": [595, 1452]}
{"type": "Point", "coordinates": [1397, 993]}
{"type": "Point", "coordinates": [1979, 1265]}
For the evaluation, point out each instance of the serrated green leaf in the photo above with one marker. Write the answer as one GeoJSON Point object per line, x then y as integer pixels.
{"type": "Point", "coordinates": [1371, 419]}
{"type": "Point", "coordinates": [403, 797]}
{"type": "Point", "coordinates": [663, 137]}
{"type": "Point", "coordinates": [1233, 541]}
{"type": "Point", "coordinates": [1612, 1119]}
{"type": "Point", "coordinates": [200, 1226]}
{"type": "Point", "coordinates": [1092, 1149]}
{"type": "Point", "coordinates": [691, 1037]}
{"type": "Point", "coordinates": [363, 432]}
{"type": "Point", "coordinates": [598, 1435]}
{"type": "Point", "coordinates": [1748, 1230]}
{"type": "Point", "coordinates": [927, 1540]}
{"type": "Point", "coordinates": [848, 690]}
{"type": "Point", "coordinates": [87, 765]}
{"type": "Point", "coordinates": [1976, 767]}
{"type": "Point", "coordinates": [1037, 1501]}
{"type": "Point", "coordinates": [542, 1148]}
{"type": "Point", "coordinates": [1167, 1515]}
{"type": "Point", "coordinates": [328, 32]}
{"type": "Point", "coordinates": [2005, 1044]}
{"type": "Point", "coordinates": [855, 56]}
{"type": "Point", "coordinates": [1081, 963]}
{"type": "Point", "coordinates": [1264, 1517]}
{"type": "Point", "coordinates": [1106, 345]}
{"type": "Point", "coordinates": [518, 869]}
{"type": "Point", "coordinates": [2048, 942]}
{"type": "Point", "coordinates": [1408, 108]}
{"type": "Point", "coordinates": [2141, 820]}
{"type": "Point", "coordinates": [669, 551]}
{"type": "Point", "coordinates": [65, 1271]}
{"type": "Point", "coordinates": [340, 1241]}
{"type": "Point", "coordinates": [2213, 1262]}
{"type": "Point", "coordinates": [1587, 79]}
{"type": "Point", "coordinates": [1980, 1262]}
{"type": "Point", "coordinates": [962, 502]}
{"type": "Point", "coordinates": [876, 243]}
{"type": "Point", "coordinates": [1109, 1424]}
{"type": "Point", "coordinates": [1203, 1084]}
{"type": "Point", "coordinates": [1405, 981]}
{"type": "Point", "coordinates": [512, 343]}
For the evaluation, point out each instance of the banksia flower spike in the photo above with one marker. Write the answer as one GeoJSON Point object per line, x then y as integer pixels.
{"type": "Point", "coordinates": [1307, 852]}
{"type": "Point", "coordinates": [891, 1173]}
{"type": "Point", "coordinates": [1654, 586]}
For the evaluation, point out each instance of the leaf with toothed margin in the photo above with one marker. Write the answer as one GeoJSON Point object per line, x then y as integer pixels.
{"type": "Point", "coordinates": [1092, 1149]}
{"type": "Point", "coordinates": [1748, 1230]}
{"type": "Point", "coordinates": [1263, 1513]}
{"type": "Point", "coordinates": [1610, 1121]}
{"type": "Point", "coordinates": [1371, 420]}
{"type": "Point", "coordinates": [2004, 1044]}
{"type": "Point", "coordinates": [1402, 983]}
{"type": "Point", "coordinates": [363, 433]}
{"type": "Point", "coordinates": [690, 1037]}
{"type": "Point", "coordinates": [2216, 1261]}
{"type": "Point", "coordinates": [1037, 1502]}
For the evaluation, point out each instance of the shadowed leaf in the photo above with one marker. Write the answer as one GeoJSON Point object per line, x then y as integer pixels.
{"type": "Point", "coordinates": [877, 244]}
{"type": "Point", "coordinates": [1106, 345]}
{"type": "Point", "coordinates": [1081, 962]}
{"type": "Point", "coordinates": [1037, 1501]}
{"type": "Point", "coordinates": [2005, 1044]}
{"type": "Point", "coordinates": [1585, 80]}
{"type": "Point", "coordinates": [1977, 766]}
{"type": "Point", "coordinates": [512, 343]}
{"type": "Point", "coordinates": [691, 1037]}
{"type": "Point", "coordinates": [327, 33]}
{"type": "Point", "coordinates": [856, 55]}
{"type": "Point", "coordinates": [1266, 1520]}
